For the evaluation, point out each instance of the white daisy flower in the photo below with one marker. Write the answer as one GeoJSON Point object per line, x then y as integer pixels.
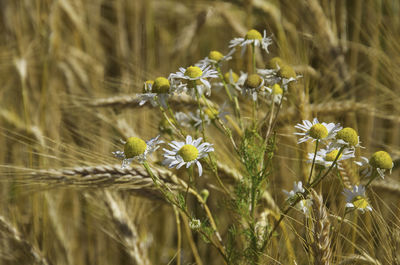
{"type": "Point", "coordinates": [252, 37]}
{"type": "Point", "coordinates": [194, 75]}
{"type": "Point", "coordinates": [325, 157]}
{"type": "Point", "coordinates": [215, 57]}
{"type": "Point", "coordinates": [356, 199]}
{"type": "Point", "coordinates": [137, 149]}
{"type": "Point", "coordinates": [275, 93]}
{"type": "Point", "coordinates": [157, 92]}
{"type": "Point", "coordinates": [297, 188]}
{"type": "Point", "coordinates": [187, 153]}
{"type": "Point", "coordinates": [251, 85]}
{"type": "Point", "coordinates": [317, 131]}
{"type": "Point", "coordinates": [379, 161]}
{"type": "Point", "coordinates": [347, 137]}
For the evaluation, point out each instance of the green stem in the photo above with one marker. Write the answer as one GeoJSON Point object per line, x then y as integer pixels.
{"type": "Point", "coordinates": [313, 162]}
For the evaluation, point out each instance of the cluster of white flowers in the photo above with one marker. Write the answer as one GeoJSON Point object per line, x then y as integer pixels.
{"type": "Point", "coordinates": [340, 144]}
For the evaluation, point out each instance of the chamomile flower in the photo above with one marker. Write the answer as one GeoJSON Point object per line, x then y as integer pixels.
{"type": "Point", "coordinates": [137, 149]}
{"type": "Point", "coordinates": [347, 137]}
{"type": "Point", "coordinates": [251, 85]}
{"type": "Point", "coordinates": [156, 92]}
{"type": "Point", "coordinates": [317, 131]}
{"type": "Point", "coordinates": [187, 153]}
{"type": "Point", "coordinates": [379, 161]}
{"type": "Point", "coordinates": [194, 79]}
{"type": "Point", "coordinates": [325, 157]}
{"type": "Point", "coordinates": [275, 93]}
{"type": "Point", "coordinates": [252, 37]}
{"type": "Point", "coordinates": [216, 58]}
{"type": "Point", "coordinates": [356, 199]}
{"type": "Point", "coordinates": [297, 188]}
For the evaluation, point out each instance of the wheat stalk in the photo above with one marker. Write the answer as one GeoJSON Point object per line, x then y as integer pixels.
{"type": "Point", "coordinates": [321, 245]}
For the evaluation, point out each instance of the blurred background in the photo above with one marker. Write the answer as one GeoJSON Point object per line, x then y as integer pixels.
{"type": "Point", "coordinates": [68, 69]}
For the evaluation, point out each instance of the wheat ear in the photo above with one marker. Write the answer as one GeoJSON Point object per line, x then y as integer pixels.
{"type": "Point", "coordinates": [321, 245]}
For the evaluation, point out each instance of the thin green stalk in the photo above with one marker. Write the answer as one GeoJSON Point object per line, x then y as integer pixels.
{"type": "Point", "coordinates": [313, 162]}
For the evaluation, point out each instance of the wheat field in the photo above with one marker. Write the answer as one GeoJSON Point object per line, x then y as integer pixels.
{"type": "Point", "coordinates": [71, 75]}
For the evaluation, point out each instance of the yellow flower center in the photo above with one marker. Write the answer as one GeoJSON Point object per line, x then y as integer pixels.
{"type": "Point", "coordinates": [253, 81]}
{"type": "Point", "coordinates": [277, 90]}
{"type": "Point", "coordinates": [227, 77]}
{"type": "Point", "coordinates": [360, 202]}
{"type": "Point", "coordinates": [348, 135]}
{"type": "Point", "coordinates": [193, 72]}
{"type": "Point", "coordinates": [188, 152]}
{"type": "Point", "coordinates": [275, 62]}
{"type": "Point", "coordinates": [215, 55]}
{"type": "Point", "coordinates": [253, 34]}
{"type": "Point", "coordinates": [147, 85]}
{"type": "Point", "coordinates": [134, 146]}
{"type": "Point", "coordinates": [287, 72]}
{"type": "Point", "coordinates": [211, 113]}
{"type": "Point", "coordinates": [161, 85]}
{"type": "Point", "coordinates": [318, 131]}
{"type": "Point", "coordinates": [332, 155]}
{"type": "Point", "coordinates": [381, 159]}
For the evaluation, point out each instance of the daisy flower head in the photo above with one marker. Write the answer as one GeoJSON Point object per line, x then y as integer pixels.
{"type": "Point", "coordinates": [251, 85]}
{"type": "Point", "coordinates": [380, 162]}
{"type": "Point", "coordinates": [297, 188]}
{"type": "Point", "coordinates": [356, 199]}
{"type": "Point", "coordinates": [195, 79]}
{"type": "Point", "coordinates": [316, 131]}
{"type": "Point", "coordinates": [347, 137]}
{"type": "Point", "coordinates": [325, 157]}
{"type": "Point", "coordinates": [276, 93]}
{"type": "Point", "coordinates": [187, 153]}
{"type": "Point", "coordinates": [216, 58]}
{"type": "Point", "coordinates": [156, 92]}
{"type": "Point", "coordinates": [252, 37]}
{"type": "Point", "coordinates": [137, 149]}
